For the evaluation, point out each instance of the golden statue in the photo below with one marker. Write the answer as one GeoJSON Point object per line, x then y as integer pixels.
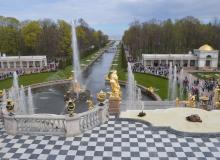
{"type": "Point", "coordinates": [177, 102]}
{"type": "Point", "coordinates": [216, 99]}
{"type": "Point", "coordinates": [101, 96]}
{"type": "Point", "coordinates": [150, 89]}
{"type": "Point", "coordinates": [90, 104]}
{"type": "Point", "coordinates": [116, 89]}
{"type": "Point", "coordinates": [191, 102]}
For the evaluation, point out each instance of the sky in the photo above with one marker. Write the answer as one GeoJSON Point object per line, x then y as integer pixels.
{"type": "Point", "coordinates": [111, 16]}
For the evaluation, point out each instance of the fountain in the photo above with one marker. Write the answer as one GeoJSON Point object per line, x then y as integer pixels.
{"type": "Point", "coordinates": [170, 78]}
{"type": "Point", "coordinates": [131, 89]}
{"type": "Point", "coordinates": [76, 60]}
{"type": "Point", "coordinates": [22, 102]}
{"type": "Point", "coordinates": [181, 78]}
{"type": "Point", "coordinates": [15, 91]}
{"type": "Point", "coordinates": [77, 91]}
{"type": "Point", "coordinates": [172, 82]}
{"type": "Point", "coordinates": [17, 96]}
{"type": "Point", "coordinates": [141, 104]}
{"type": "Point", "coordinates": [174, 86]}
{"type": "Point", "coordinates": [30, 102]}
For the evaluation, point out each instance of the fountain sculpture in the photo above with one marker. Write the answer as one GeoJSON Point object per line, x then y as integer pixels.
{"type": "Point", "coordinates": [115, 95]}
{"type": "Point", "coordinates": [16, 96]}
{"type": "Point", "coordinates": [131, 89]}
{"type": "Point", "coordinates": [77, 93]}
{"type": "Point", "coordinates": [216, 98]}
{"type": "Point", "coordinates": [172, 82]}
{"type": "Point", "coordinates": [141, 104]}
{"type": "Point", "coordinates": [30, 102]}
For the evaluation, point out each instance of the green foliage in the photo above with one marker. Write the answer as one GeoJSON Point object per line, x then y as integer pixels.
{"type": "Point", "coordinates": [124, 62]}
{"type": "Point", "coordinates": [47, 37]}
{"type": "Point", "coordinates": [9, 40]}
{"type": "Point", "coordinates": [31, 34]}
{"type": "Point", "coordinates": [169, 36]}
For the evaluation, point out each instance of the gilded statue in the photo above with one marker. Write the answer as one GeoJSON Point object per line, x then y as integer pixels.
{"type": "Point", "coordinates": [90, 104]}
{"type": "Point", "coordinates": [116, 90]}
{"type": "Point", "coordinates": [191, 102]}
{"type": "Point", "coordinates": [101, 96]}
{"type": "Point", "coordinates": [216, 99]}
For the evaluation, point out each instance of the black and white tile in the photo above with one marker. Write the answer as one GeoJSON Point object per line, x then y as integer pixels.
{"type": "Point", "coordinates": [116, 139]}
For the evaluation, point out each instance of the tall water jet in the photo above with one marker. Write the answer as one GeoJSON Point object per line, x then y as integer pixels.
{"type": "Point", "coordinates": [30, 102]}
{"type": "Point", "coordinates": [181, 79]}
{"type": "Point", "coordinates": [15, 92]}
{"type": "Point", "coordinates": [139, 97]}
{"type": "Point", "coordinates": [131, 88]}
{"type": "Point", "coordinates": [15, 81]}
{"type": "Point", "coordinates": [170, 81]}
{"type": "Point", "coordinates": [174, 87]}
{"type": "Point", "coordinates": [76, 61]}
{"type": "Point", "coordinates": [22, 102]}
{"type": "Point", "coordinates": [4, 98]}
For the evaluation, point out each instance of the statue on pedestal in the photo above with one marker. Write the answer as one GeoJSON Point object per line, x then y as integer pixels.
{"type": "Point", "coordinates": [216, 99]}
{"type": "Point", "coordinates": [116, 89]}
{"type": "Point", "coordinates": [115, 95]}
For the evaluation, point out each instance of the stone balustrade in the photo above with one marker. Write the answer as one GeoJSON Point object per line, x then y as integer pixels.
{"type": "Point", "coordinates": [51, 124]}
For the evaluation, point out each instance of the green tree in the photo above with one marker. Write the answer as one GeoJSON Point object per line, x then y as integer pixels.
{"type": "Point", "coordinates": [31, 33]}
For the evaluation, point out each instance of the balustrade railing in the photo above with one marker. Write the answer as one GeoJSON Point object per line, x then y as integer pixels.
{"type": "Point", "coordinates": [38, 124]}
{"type": "Point", "coordinates": [48, 124]}
{"type": "Point", "coordinates": [90, 120]}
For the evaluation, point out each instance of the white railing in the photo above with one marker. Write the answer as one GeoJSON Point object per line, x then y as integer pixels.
{"type": "Point", "coordinates": [90, 120]}
{"type": "Point", "coordinates": [51, 124]}
{"type": "Point", "coordinates": [40, 124]}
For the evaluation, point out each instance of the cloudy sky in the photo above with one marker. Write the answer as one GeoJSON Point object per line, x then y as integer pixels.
{"type": "Point", "coordinates": [111, 16]}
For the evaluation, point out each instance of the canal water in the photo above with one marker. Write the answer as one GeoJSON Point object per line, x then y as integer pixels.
{"type": "Point", "coordinates": [50, 99]}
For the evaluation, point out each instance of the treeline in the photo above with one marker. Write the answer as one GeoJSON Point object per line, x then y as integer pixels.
{"type": "Point", "coordinates": [47, 37]}
{"type": "Point", "coordinates": [169, 36]}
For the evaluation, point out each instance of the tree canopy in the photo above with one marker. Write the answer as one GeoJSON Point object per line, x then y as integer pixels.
{"type": "Point", "coordinates": [179, 36]}
{"type": "Point", "coordinates": [46, 37]}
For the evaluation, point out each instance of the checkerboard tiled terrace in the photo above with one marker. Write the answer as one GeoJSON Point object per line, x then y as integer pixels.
{"type": "Point", "coordinates": [116, 139]}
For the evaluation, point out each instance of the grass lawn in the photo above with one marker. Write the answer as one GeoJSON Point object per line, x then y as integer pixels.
{"type": "Point", "coordinates": [147, 80]}
{"type": "Point", "coordinates": [26, 80]}
{"type": "Point", "coordinates": [207, 75]}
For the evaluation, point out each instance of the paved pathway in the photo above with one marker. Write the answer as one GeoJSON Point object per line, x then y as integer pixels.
{"type": "Point", "coordinates": [113, 140]}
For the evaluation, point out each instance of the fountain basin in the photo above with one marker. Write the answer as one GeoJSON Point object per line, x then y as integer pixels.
{"type": "Point", "coordinates": [48, 96]}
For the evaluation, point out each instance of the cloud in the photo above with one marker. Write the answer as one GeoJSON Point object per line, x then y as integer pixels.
{"type": "Point", "coordinates": [112, 16]}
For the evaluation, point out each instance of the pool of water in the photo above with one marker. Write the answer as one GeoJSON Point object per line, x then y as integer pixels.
{"type": "Point", "coordinates": [50, 99]}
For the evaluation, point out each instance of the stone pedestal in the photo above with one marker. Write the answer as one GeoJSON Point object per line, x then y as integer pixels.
{"type": "Point", "coordinates": [114, 106]}
{"type": "Point", "coordinates": [72, 126]}
{"type": "Point", "coordinates": [10, 124]}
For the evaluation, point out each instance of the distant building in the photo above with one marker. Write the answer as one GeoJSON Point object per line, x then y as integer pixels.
{"type": "Point", "coordinates": [202, 58]}
{"type": "Point", "coordinates": [10, 62]}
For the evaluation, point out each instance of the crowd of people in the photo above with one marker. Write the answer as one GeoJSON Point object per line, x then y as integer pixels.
{"type": "Point", "coordinates": [161, 70]}
{"type": "Point", "coordinates": [197, 87]}
{"type": "Point", "coordinates": [22, 71]}
{"type": "Point", "coordinates": [200, 88]}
